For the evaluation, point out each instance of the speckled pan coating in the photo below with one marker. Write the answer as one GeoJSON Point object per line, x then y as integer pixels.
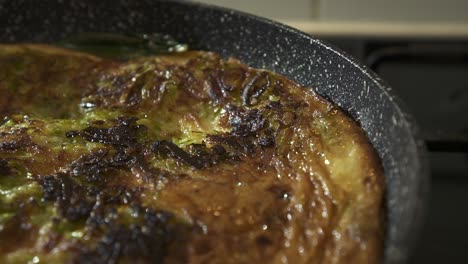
{"type": "Point", "coordinates": [263, 44]}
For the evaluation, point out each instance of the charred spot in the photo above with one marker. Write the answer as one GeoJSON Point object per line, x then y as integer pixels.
{"type": "Point", "coordinates": [133, 91]}
{"type": "Point", "coordinates": [134, 97]}
{"type": "Point", "coordinates": [232, 79]}
{"type": "Point", "coordinates": [198, 78]}
{"type": "Point", "coordinates": [104, 213]}
{"type": "Point", "coordinates": [77, 208]}
{"type": "Point", "coordinates": [267, 139]}
{"type": "Point", "coordinates": [236, 144]}
{"type": "Point", "coordinates": [9, 146]}
{"type": "Point", "coordinates": [245, 122]}
{"type": "Point", "coordinates": [226, 139]}
{"type": "Point", "coordinates": [255, 88]}
{"type": "Point", "coordinates": [102, 216]}
{"type": "Point", "coordinates": [74, 201]}
{"type": "Point", "coordinates": [105, 216]}
{"type": "Point", "coordinates": [145, 241]}
{"type": "Point", "coordinates": [123, 134]}
{"type": "Point", "coordinates": [19, 142]}
{"type": "Point", "coordinates": [198, 149]}
{"type": "Point", "coordinates": [127, 153]}
{"type": "Point", "coordinates": [4, 168]}
{"type": "Point", "coordinates": [219, 150]}
{"type": "Point", "coordinates": [120, 195]}
{"type": "Point", "coordinates": [92, 166]}
{"type": "Point", "coordinates": [51, 188]}
{"type": "Point", "coordinates": [169, 149]}
{"type": "Point", "coordinates": [96, 166]}
{"type": "Point", "coordinates": [123, 89]}
{"type": "Point", "coordinates": [223, 81]}
{"type": "Point", "coordinates": [209, 156]}
{"type": "Point", "coordinates": [197, 156]}
{"type": "Point", "coordinates": [122, 158]}
{"type": "Point", "coordinates": [216, 89]}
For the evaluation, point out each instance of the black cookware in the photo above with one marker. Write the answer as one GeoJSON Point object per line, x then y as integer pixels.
{"type": "Point", "coordinates": [263, 44]}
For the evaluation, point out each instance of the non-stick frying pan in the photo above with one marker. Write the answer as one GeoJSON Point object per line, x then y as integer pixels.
{"type": "Point", "coordinates": [263, 44]}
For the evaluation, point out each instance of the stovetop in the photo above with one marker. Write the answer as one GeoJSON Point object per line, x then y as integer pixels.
{"type": "Point", "coordinates": [431, 77]}
{"type": "Point", "coordinates": [445, 230]}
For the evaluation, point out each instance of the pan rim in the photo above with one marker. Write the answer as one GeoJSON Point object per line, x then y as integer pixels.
{"type": "Point", "coordinates": [421, 168]}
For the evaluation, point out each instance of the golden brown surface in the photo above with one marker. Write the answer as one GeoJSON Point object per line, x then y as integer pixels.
{"type": "Point", "coordinates": [178, 159]}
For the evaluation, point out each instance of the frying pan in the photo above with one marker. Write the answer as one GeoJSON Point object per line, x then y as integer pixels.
{"type": "Point", "coordinates": [265, 44]}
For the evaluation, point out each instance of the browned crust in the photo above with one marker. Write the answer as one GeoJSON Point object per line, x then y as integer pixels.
{"type": "Point", "coordinates": [279, 175]}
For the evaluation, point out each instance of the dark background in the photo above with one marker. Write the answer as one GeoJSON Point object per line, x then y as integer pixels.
{"type": "Point", "coordinates": [432, 79]}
